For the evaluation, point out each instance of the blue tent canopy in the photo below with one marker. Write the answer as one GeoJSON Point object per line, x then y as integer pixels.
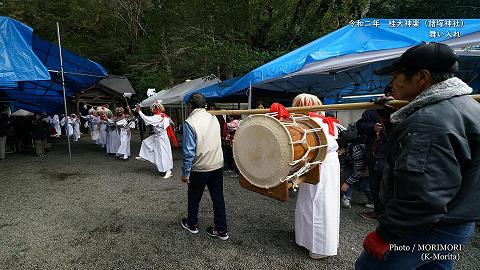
{"type": "Point", "coordinates": [37, 93]}
{"type": "Point", "coordinates": [19, 62]}
{"type": "Point", "coordinates": [341, 63]}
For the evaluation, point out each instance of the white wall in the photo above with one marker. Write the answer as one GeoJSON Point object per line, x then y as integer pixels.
{"type": "Point", "coordinates": [348, 117]}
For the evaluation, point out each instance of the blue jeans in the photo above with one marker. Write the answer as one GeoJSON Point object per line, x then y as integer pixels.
{"type": "Point", "coordinates": [364, 186]}
{"type": "Point", "coordinates": [420, 256]}
{"type": "Point", "coordinates": [214, 181]}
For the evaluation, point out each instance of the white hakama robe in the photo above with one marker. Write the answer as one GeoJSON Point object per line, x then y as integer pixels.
{"type": "Point", "coordinates": [56, 125]}
{"type": "Point", "coordinates": [102, 133]}
{"type": "Point", "coordinates": [76, 129]}
{"type": "Point", "coordinates": [69, 126]}
{"type": "Point", "coordinates": [113, 137]}
{"type": "Point", "coordinates": [157, 148]}
{"type": "Point", "coordinates": [92, 127]}
{"type": "Point", "coordinates": [125, 136]}
{"type": "Point", "coordinates": [317, 212]}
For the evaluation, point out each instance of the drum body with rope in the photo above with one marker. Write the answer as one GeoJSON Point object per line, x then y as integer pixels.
{"type": "Point", "coordinates": [273, 156]}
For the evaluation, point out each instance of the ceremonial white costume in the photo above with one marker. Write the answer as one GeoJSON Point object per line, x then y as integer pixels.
{"type": "Point", "coordinates": [317, 212]}
{"type": "Point", "coordinates": [56, 125]}
{"type": "Point", "coordinates": [92, 121]}
{"type": "Point", "coordinates": [69, 127]}
{"type": "Point", "coordinates": [76, 130]}
{"type": "Point", "coordinates": [113, 137]}
{"type": "Point", "coordinates": [156, 148]}
{"type": "Point", "coordinates": [102, 132]}
{"type": "Point", "coordinates": [125, 136]}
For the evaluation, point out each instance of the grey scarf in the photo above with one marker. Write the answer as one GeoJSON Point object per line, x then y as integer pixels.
{"type": "Point", "coordinates": [440, 91]}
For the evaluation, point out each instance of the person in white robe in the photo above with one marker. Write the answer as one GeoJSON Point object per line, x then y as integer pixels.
{"type": "Point", "coordinates": [102, 126]}
{"type": "Point", "coordinates": [113, 136]}
{"type": "Point", "coordinates": [124, 123]}
{"type": "Point", "coordinates": [317, 211]}
{"type": "Point", "coordinates": [69, 126]}
{"type": "Point", "coordinates": [92, 121]}
{"type": "Point", "coordinates": [76, 127]}
{"type": "Point", "coordinates": [157, 148]}
{"type": "Point", "coordinates": [56, 125]}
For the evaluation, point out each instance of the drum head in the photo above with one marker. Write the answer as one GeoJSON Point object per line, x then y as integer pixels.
{"type": "Point", "coordinates": [262, 151]}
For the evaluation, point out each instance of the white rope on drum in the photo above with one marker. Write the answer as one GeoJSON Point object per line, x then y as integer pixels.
{"type": "Point", "coordinates": [306, 167]}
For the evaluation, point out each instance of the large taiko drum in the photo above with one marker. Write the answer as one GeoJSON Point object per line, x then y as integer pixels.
{"type": "Point", "coordinates": [269, 152]}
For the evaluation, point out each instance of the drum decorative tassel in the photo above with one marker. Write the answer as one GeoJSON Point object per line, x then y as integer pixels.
{"type": "Point", "coordinates": [274, 156]}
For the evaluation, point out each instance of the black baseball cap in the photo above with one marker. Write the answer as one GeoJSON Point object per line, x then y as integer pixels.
{"type": "Point", "coordinates": [431, 56]}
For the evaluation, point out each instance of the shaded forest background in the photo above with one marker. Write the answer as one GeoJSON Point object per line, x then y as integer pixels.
{"type": "Point", "coordinates": [159, 43]}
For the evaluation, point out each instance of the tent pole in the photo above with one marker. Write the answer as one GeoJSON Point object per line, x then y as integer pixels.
{"type": "Point", "coordinates": [183, 112]}
{"type": "Point", "coordinates": [250, 96]}
{"type": "Point", "coordinates": [64, 94]}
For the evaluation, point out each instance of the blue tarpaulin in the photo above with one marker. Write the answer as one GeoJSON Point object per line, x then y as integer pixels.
{"type": "Point", "coordinates": [18, 61]}
{"type": "Point", "coordinates": [341, 63]}
{"type": "Point", "coordinates": [37, 85]}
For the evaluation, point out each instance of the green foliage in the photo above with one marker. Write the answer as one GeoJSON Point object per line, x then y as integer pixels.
{"type": "Point", "coordinates": [159, 43]}
{"type": "Point", "coordinates": [426, 9]}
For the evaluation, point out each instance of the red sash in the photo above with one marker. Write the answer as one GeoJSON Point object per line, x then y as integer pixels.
{"type": "Point", "coordinates": [327, 120]}
{"type": "Point", "coordinates": [170, 132]}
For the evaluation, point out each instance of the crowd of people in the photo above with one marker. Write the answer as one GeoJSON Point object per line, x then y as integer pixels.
{"type": "Point", "coordinates": [22, 133]}
{"type": "Point", "coordinates": [418, 167]}
{"type": "Point", "coordinates": [113, 134]}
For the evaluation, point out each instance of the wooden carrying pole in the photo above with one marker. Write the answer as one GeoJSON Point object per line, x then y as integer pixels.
{"type": "Point", "coordinates": [332, 107]}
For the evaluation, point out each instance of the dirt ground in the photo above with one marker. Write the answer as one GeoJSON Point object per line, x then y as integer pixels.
{"type": "Point", "coordinates": [104, 213]}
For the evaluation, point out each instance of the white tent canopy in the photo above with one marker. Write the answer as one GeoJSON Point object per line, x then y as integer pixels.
{"type": "Point", "coordinates": [149, 101]}
{"type": "Point", "coordinates": [22, 112]}
{"type": "Point", "coordinates": [460, 45]}
{"type": "Point", "coordinates": [175, 94]}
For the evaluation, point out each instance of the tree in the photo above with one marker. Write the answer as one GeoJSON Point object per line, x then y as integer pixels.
{"type": "Point", "coordinates": [159, 43]}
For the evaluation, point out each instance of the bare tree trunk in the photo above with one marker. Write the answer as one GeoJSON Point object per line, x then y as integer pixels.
{"type": "Point", "coordinates": [297, 19]}
{"type": "Point", "coordinates": [131, 12]}
{"type": "Point", "coordinates": [166, 56]}
{"type": "Point", "coordinates": [366, 8]}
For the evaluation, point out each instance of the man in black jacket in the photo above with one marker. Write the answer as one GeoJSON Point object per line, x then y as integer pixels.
{"type": "Point", "coordinates": [431, 180]}
{"type": "Point", "coordinates": [374, 127]}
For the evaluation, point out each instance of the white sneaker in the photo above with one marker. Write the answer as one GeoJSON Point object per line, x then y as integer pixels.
{"type": "Point", "coordinates": [346, 203]}
{"type": "Point", "coordinates": [168, 174]}
{"type": "Point", "coordinates": [139, 158]}
{"type": "Point", "coordinates": [369, 205]}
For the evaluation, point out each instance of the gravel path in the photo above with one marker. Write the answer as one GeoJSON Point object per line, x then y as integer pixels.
{"type": "Point", "coordinates": [105, 213]}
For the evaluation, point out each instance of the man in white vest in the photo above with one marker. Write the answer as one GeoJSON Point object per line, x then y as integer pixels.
{"type": "Point", "coordinates": [203, 166]}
